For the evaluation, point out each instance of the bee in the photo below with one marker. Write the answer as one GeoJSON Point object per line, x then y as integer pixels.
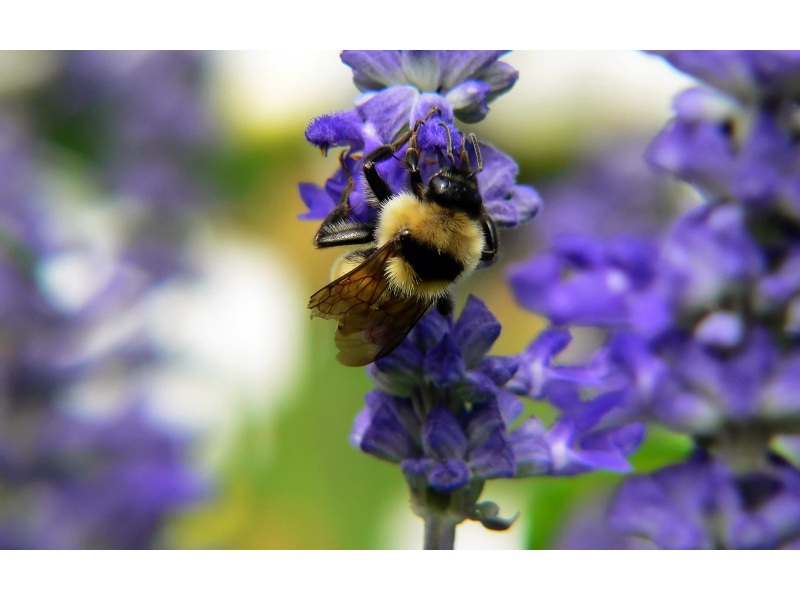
{"type": "Point", "coordinates": [410, 258]}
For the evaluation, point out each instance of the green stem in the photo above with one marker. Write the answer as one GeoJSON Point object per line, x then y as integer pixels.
{"type": "Point", "coordinates": [440, 533]}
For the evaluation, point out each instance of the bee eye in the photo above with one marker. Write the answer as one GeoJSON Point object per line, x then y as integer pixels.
{"type": "Point", "coordinates": [440, 185]}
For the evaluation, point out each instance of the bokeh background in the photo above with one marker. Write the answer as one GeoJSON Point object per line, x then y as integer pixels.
{"type": "Point", "coordinates": [162, 385]}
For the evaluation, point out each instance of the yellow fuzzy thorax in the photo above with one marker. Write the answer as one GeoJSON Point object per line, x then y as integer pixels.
{"type": "Point", "coordinates": [451, 232]}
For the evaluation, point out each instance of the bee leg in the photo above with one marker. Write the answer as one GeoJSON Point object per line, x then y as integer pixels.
{"type": "Point", "coordinates": [343, 208]}
{"type": "Point", "coordinates": [380, 189]}
{"type": "Point", "coordinates": [446, 306]}
{"type": "Point", "coordinates": [411, 161]}
{"type": "Point", "coordinates": [336, 230]}
{"type": "Point", "coordinates": [478, 156]}
{"type": "Point", "coordinates": [450, 144]}
{"type": "Point", "coordinates": [377, 185]}
{"type": "Point", "coordinates": [344, 233]}
{"type": "Point", "coordinates": [491, 246]}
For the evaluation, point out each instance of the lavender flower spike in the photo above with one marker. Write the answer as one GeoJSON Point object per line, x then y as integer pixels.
{"type": "Point", "coordinates": [444, 412]}
{"type": "Point", "coordinates": [702, 330]}
{"type": "Point", "coordinates": [466, 81]}
{"type": "Point", "coordinates": [67, 480]}
{"type": "Point", "coordinates": [400, 88]}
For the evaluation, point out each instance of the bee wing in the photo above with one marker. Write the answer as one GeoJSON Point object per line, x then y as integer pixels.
{"type": "Point", "coordinates": [372, 320]}
{"type": "Point", "coordinates": [371, 333]}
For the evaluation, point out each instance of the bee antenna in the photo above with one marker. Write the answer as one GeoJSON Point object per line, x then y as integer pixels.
{"type": "Point", "coordinates": [449, 144]}
{"type": "Point", "coordinates": [478, 156]}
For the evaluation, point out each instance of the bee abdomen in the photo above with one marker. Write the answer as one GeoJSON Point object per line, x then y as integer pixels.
{"type": "Point", "coordinates": [428, 262]}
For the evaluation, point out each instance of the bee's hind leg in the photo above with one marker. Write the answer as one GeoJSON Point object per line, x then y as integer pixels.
{"type": "Point", "coordinates": [336, 230]}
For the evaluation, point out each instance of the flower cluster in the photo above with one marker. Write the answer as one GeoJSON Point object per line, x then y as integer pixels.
{"type": "Point", "coordinates": [69, 479]}
{"type": "Point", "coordinates": [443, 410]}
{"type": "Point", "coordinates": [447, 414]}
{"type": "Point", "coordinates": [402, 88]}
{"type": "Point", "coordinates": [143, 119]}
{"type": "Point", "coordinates": [637, 202]}
{"type": "Point", "coordinates": [703, 325]}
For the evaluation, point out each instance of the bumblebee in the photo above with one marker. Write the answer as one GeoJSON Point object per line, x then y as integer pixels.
{"type": "Point", "coordinates": [410, 258]}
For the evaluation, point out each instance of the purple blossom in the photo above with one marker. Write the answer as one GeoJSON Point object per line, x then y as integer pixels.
{"type": "Point", "coordinates": [90, 484]}
{"type": "Point", "coordinates": [729, 155]}
{"type": "Point", "coordinates": [69, 481]}
{"type": "Point", "coordinates": [402, 87]}
{"type": "Point", "coordinates": [745, 74]}
{"type": "Point", "coordinates": [446, 413]}
{"type": "Point", "coordinates": [587, 528]}
{"type": "Point", "coordinates": [702, 504]}
{"type": "Point", "coordinates": [701, 328]}
{"type": "Point", "coordinates": [143, 118]}
{"type": "Point", "coordinates": [637, 202]}
{"type": "Point", "coordinates": [583, 281]}
{"type": "Point", "coordinates": [464, 81]}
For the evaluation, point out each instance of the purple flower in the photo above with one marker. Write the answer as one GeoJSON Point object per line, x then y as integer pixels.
{"type": "Point", "coordinates": [401, 88]}
{"type": "Point", "coordinates": [730, 155]}
{"type": "Point", "coordinates": [90, 484]}
{"type": "Point", "coordinates": [585, 437]}
{"type": "Point", "coordinates": [450, 392]}
{"type": "Point", "coordinates": [700, 329]}
{"type": "Point", "coordinates": [742, 149]}
{"type": "Point", "coordinates": [702, 504]}
{"type": "Point", "coordinates": [634, 202]}
{"type": "Point", "coordinates": [440, 409]}
{"type": "Point", "coordinates": [745, 74]}
{"type": "Point", "coordinates": [141, 116]}
{"type": "Point", "coordinates": [70, 481]}
{"type": "Point", "coordinates": [537, 368]}
{"type": "Point", "coordinates": [587, 528]}
{"type": "Point", "coordinates": [585, 282]}
{"type": "Point", "coordinates": [445, 412]}
{"type": "Point", "coordinates": [464, 81]}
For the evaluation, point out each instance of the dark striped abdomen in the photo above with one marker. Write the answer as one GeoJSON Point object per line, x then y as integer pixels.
{"type": "Point", "coordinates": [429, 263]}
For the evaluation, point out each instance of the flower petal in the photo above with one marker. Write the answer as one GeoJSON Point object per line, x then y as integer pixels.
{"type": "Point", "coordinates": [442, 436]}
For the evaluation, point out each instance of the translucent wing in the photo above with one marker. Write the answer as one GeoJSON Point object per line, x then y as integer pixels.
{"type": "Point", "coordinates": [372, 320]}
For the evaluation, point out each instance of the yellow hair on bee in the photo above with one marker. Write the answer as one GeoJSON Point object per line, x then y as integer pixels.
{"type": "Point", "coordinates": [448, 231]}
{"type": "Point", "coordinates": [348, 261]}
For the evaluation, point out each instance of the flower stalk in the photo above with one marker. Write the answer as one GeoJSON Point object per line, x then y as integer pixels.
{"type": "Point", "coordinates": [443, 409]}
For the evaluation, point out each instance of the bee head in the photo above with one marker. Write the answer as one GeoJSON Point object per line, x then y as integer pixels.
{"type": "Point", "coordinates": [456, 185]}
{"type": "Point", "coordinates": [455, 189]}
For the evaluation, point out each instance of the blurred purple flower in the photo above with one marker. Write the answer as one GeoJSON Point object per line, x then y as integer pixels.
{"type": "Point", "coordinates": [71, 483]}
{"type": "Point", "coordinates": [146, 119]}
{"type": "Point", "coordinates": [68, 481]}
{"type": "Point", "coordinates": [587, 528]}
{"type": "Point", "coordinates": [583, 281]}
{"type": "Point", "coordinates": [635, 200]}
{"type": "Point", "coordinates": [702, 504]}
{"type": "Point", "coordinates": [701, 329]}
{"type": "Point", "coordinates": [745, 74]}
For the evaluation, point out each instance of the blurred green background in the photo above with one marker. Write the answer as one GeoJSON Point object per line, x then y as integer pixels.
{"type": "Point", "coordinates": [257, 386]}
